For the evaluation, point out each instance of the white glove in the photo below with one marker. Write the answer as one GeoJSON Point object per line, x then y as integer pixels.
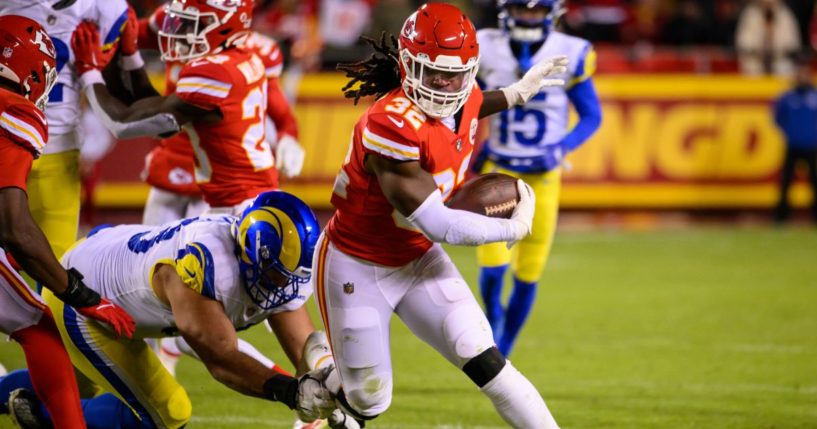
{"type": "Point", "coordinates": [539, 76]}
{"type": "Point", "coordinates": [289, 156]}
{"type": "Point", "coordinates": [313, 400]}
{"type": "Point", "coordinates": [522, 216]}
{"type": "Point", "coordinates": [339, 420]}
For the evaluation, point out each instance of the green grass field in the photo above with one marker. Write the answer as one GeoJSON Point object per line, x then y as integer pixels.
{"type": "Point", "coordinates": [699, 328]}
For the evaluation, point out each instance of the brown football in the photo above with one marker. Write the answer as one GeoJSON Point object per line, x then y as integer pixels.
{"type": "Point", "coordinates": [492, 194]}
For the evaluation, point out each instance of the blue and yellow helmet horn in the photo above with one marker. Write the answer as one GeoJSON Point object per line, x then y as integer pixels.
{"type": "Point", "coordinates": [275, 238]}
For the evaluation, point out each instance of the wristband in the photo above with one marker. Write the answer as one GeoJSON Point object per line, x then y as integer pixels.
{"type": "Point", "coordinates": [132, 62]}
{"type": "Point", "coordinates": [281, 388]}
{"type": "Point", "coordinates": [91, 77]}
{"type": "Point", "coordinates": [77, 294]}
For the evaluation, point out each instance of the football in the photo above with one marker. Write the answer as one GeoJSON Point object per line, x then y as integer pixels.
{"type": "Point", "coordinates": [492, 194]}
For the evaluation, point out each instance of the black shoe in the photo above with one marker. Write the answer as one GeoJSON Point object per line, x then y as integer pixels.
{"type": "Point", "coordinates": [24, 410]}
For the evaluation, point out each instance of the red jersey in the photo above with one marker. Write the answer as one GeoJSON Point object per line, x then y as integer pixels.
{"type": "Point", "coordinates": [365, 224]}
{"type": "Point", "coordinates": [23, 134]}
{"type": "Point", "coordinates": [233, 159]}
{"type": "Point", "coordinates": [170, 165]}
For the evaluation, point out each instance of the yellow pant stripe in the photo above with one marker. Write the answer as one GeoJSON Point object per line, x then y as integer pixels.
{"type": "Point", "coordinates": [127, 368]}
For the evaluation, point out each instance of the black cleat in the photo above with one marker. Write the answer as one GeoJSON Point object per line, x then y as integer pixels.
{"type": "Point", "coordinates": [23, 409]}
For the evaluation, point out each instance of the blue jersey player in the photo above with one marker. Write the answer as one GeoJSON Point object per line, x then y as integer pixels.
{"type": "Point", "coordinates": [530, 142]}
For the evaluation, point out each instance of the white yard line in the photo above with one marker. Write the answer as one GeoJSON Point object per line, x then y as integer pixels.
{"type": "Point", "coordinates": [268, 423]}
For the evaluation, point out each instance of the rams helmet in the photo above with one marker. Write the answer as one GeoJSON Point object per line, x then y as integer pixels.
{"type": "Point", "coordinates": [530, 31]}
{"type": "Point", "coordinates": [275, 238]}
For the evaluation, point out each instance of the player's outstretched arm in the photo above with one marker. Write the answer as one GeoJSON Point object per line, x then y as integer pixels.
{"type": "Point", "coordinates": [21, 236]}
{"type": "Point", "coordinates": [25, 240]}
{"type": "Point", "coordinates": [206, 328]}
{"type": "Point", "coordinates": [413, 192]}
{"type": "Point", "coordinates": [542, 75]}
{"type": "Point", "coordinates": [152, 117]}
{"type": "Point", "coordinates": [292, 328]}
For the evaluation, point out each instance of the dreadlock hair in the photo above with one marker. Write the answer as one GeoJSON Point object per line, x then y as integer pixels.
{"type": "Point", "coordinates": [376, 75]}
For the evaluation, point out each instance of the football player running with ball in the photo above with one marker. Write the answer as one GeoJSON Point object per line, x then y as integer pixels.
{"type": "Point", "coordinates": [27, 73]}
{"type": "Point", "coordinates": [530, 142]}
{"type": "Point", "coordinates": [379, 254]}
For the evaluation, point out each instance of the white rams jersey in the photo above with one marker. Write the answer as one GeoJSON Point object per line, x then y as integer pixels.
{"type": "Point", "coordinates": [60, 18]}
{"type": "Point", "coordinates": [119, 263]}
{"type": "Point", "coordinates": [522, 131]}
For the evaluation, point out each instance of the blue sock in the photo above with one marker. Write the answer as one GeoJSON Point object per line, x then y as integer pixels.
{"type": "Point", "coordinates": [491, 280]}
{"type": "Point", "coordinates": [519, 307]}
{"type": "Point", "coordinates": [105, 411]}
{"type": "Point", "coordinates": [12, 381]}
{"type": "Point", "coordinates": [108, 412]}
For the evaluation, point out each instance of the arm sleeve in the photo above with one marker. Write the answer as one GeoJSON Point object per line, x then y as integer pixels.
{"type": "Point", "coordinates": [391, 136]}
{"type": "Point", "coordinates": [203, 84]}
{"type": "Point", "coordinates": [586, 101]}
{"type": "Point", "coordinates": [195, 265]}
{"type": "Point", "coordinates": [459, 227]}
{"type": "Point", "coordinates": [113, 15]}
{"type": "Point", "coordinates": [279, 111]}
{"type": "Point", "coordinates": [160, 124]}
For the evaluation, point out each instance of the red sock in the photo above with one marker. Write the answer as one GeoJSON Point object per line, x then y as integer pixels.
{"type": "Point", "coordinates": [52, 373]}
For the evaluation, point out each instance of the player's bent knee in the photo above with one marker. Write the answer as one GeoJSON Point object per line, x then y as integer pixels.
{"type": "Point", "coordinates": [365, 403]}
{"type": "Point", "coordinates": [371, 397]}
{"type": "Point", "coordinates": [485, 366]}
{"type": "Point", "coordinates": [467, 332]}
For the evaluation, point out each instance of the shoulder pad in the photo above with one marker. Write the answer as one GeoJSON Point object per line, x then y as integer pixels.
{"type": "Point", "coordinates": [25, 125]}
{"type": "Point", "coordinates": [391, 135]}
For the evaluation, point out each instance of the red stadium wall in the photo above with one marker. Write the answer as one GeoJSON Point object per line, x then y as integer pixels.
{"type": "Point", "coordinates": [668, 141]}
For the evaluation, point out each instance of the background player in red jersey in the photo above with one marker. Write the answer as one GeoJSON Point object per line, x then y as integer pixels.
{"type": "Point", "coordinates": [378, 255]}
{"type": "Point", "coordinates": [170, 166]}
{"type": "Point", "coordinates": [27, 73]}
{"type": "Point", "coordinates": [220, 99]}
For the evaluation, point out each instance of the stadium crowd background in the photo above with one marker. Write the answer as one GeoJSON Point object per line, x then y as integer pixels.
{"type": "Point", "coordinates": [687, 88]}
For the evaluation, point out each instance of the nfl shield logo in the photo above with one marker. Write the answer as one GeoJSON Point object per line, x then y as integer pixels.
{"type": "Point", "coordinates": [348, 288]}
{"type": "Point", "coordinates": [459, 145]}
{"type": "Point", "coordinates": [7, 52]}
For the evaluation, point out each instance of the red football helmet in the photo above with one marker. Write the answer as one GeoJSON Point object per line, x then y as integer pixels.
{"type": "Point", "coordinates": [195, 28]}
{"type": "Point", "coordinates": [439, 58]}
{"type": "Point", "coordinates": [27, 58]}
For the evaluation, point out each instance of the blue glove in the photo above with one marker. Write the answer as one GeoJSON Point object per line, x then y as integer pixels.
{"type": "Point", "coordinates": [553, 157]}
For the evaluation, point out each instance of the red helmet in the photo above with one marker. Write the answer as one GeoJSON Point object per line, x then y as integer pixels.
{"type": "Point", "coordinates": [439, 58]}
{"type": "Point", "coordinates": [195, 28]}
{"type": "Point", "coordinates": [27, 58]}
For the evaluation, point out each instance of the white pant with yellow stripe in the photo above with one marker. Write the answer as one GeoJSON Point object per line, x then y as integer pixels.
{"type": "Point", "coordinates": [529, 256]}
{"type": "Point", "coordinates": [20, 307]}
{"type": "Point", "coordinates": [127, 368]}
{"type": "Point", "coordinates": [357, 299]}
